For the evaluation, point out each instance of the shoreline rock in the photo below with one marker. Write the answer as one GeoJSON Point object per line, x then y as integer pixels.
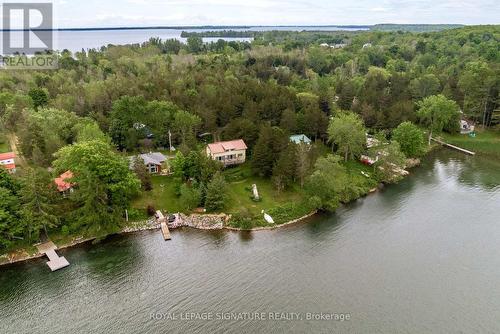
{"type": "Point", "coordinates": [196, 221]}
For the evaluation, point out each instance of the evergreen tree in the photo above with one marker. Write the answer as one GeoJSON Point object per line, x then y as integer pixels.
{"type": "Point", "coordinates": [284, 169]}
{"type": "Point", "coordinates": [272, 141]}
{"type": "Point", "coordinates": [37, 196]}
{"type": "Point", "coordinates": [10, 226]}
{"type": "Point", "coordinates": [216, 196]}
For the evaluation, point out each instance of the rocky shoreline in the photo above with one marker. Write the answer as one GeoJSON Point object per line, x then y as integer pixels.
{"type": "Point", "coordinates": [196, 221]}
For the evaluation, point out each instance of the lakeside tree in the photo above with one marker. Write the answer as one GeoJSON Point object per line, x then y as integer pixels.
{"type": "Point", "coordinates": [216, 195]}
{"type": "Point", "coordinates": [390, 163]}
{"type": "Point", "coordinates": [10, 226]}
{"type": "Point", "coordinates": [302, 162]}
{"type": "Point", "coordinates": [284, 169]}
{"type": "Point", "coordinates": [410, 139]}
{"type": "Point", "coordinates": [104, 185]}
{"type": "Point", "coordinates": [190, 195]}
{"type": "Point", "coordinates": [38, 202]}
{"type": "Point", "coordinates": [195, 44]}
{"type": "Point", "coordinates": [436, 112]}
{"type": "Point", "coordinates": [477, 81]}
{"type": "Point", "coordinates": [326, 183]}
{"type": "Point", "coordinates": [347, 131]}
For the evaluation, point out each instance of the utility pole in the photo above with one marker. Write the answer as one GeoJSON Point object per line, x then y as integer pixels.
{"type": "Point", "coordinates": [170, 140]}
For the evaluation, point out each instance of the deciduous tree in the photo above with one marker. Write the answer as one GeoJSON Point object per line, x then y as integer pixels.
{"type": "Point", "coordinates": [436, 111]}
{"type": "Point", "coordinates": [347, 131]}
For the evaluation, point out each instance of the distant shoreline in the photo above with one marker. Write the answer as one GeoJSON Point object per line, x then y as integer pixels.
{"type": "Point", "coordinates": [194, 27]}
{"type": "Point", "coordinates": [321, 28]}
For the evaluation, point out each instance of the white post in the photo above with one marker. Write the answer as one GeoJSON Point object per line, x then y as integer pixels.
{"type": "Point", "coordinates": [170, 140]}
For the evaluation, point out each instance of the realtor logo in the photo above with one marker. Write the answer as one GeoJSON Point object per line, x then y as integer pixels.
{"type": "Point", "coordinates": [27, 28]}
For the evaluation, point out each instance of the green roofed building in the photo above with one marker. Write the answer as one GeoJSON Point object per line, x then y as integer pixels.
{"type": "Point", "coordinates": [297, 139]}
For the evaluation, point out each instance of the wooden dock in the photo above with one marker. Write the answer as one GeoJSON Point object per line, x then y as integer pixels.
{"type": "Point", "coordinates": [453, 146]}
{"type": "Point", "coordinates": [55, 262]}
{"type": "Point", "coordinates": [164, 226]}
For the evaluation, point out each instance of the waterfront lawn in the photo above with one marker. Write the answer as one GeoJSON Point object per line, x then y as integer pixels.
{"type": "Point", "coordinates": [162, 197]}
{"type": "Point", "coordinates": [486, 142]}
{"type": "Point", "coordinates": [355, 169]}
{"type": "Point", "coordinates": [240, 181]}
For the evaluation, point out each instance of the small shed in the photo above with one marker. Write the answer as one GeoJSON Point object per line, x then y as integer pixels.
{"type": "Point", "coordinates": [300, 139]}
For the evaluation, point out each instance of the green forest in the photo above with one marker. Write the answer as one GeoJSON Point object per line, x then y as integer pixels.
{"type": "Point", "coordinates": [334, 87]}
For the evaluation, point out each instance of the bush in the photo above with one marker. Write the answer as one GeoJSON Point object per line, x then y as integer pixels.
{"type": "Point", "coordinates": [410, 139]}
{"type": "Point", "coordinates": [244, 219]}
{"type": "Point", "coordinates": [65, 230]}
{"type": "Point", "coordinates": [136, 214]}
{"type": "Point", "coordinates": [290, 211]}
{"type": "Point", "coordinates": [151, 210]}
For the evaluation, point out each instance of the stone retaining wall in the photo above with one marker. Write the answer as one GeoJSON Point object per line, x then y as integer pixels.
{"type": "Point", "coordinates": [204, 222]}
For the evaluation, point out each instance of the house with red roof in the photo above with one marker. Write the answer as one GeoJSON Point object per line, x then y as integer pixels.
{"type": "Point", "coordinates": [7, 161]}
{"type": "Point", "coordinates": [62, 182]}
{"type": "Point", "coordinates": [228, 152]}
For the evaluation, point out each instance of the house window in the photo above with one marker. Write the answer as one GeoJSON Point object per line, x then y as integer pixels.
{"type": "Point", "coordinates": [240, 155]}
{"type": "Point", "coordinates": [153, 168]}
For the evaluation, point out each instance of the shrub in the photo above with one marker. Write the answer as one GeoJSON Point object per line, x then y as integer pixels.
{"type": "Point", "coordinates": [410, 139]}
{"type": "Point", "coordinates": [151, 210]}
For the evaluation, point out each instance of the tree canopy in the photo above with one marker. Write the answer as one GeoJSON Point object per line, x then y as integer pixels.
{"type": "Point", "coordinates": [347, 131]}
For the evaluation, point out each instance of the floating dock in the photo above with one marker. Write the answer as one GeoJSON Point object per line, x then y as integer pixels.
{"type": "Point", "coordinates": [453, 146]}
{"type": "Point", "coordinates": [164, 227]}
{"type": "Point", "coordinates": [55, 262]}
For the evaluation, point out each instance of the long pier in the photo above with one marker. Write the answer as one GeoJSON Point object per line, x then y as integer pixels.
{"type": "Point", "coordinates": [453, 146]}
{"type": "Point", "coordinates": [164, 226]}
{"type": "Point", "coordinates": [55, 262]}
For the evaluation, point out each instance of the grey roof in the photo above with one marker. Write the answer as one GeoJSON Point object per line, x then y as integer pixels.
{"type": "Point", "coordinates": [297, 139]}
{"type": "Point", "coordinates": [155, 158]}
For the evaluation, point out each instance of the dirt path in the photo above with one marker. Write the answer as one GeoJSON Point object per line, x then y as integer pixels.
{"type": "Point", "coordinates": [13, 146]}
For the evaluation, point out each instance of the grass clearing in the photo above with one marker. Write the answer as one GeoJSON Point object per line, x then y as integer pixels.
{"type": "Point", "coordinates": [240, 181]}
{"type": "Point", "coordinates": [162, 197]}
{"type": "Point", "coordinates": [486, 142]}
{"type": "Point", "coordinates": [4, 144]}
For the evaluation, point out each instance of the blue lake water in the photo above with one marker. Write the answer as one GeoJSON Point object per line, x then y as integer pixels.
{"type": "Point", "coordinates": [75, 40]}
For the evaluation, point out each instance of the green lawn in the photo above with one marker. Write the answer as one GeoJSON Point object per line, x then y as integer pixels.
{"type": "Point", "coordinates": [162, 197]}
{"type": "Point", "coordinates": [485, 142]}
{"type": "Point", "coordinates": [240, 182]}
{"type": "Point", "coordinates": [4, 144]}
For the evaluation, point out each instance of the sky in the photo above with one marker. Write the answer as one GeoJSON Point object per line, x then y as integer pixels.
{"type": "Point", "coordinates": [115, 13]}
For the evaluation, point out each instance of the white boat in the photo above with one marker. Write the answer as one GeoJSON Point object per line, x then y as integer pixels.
{"type": "Point", "coordinates": [268, 218]}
